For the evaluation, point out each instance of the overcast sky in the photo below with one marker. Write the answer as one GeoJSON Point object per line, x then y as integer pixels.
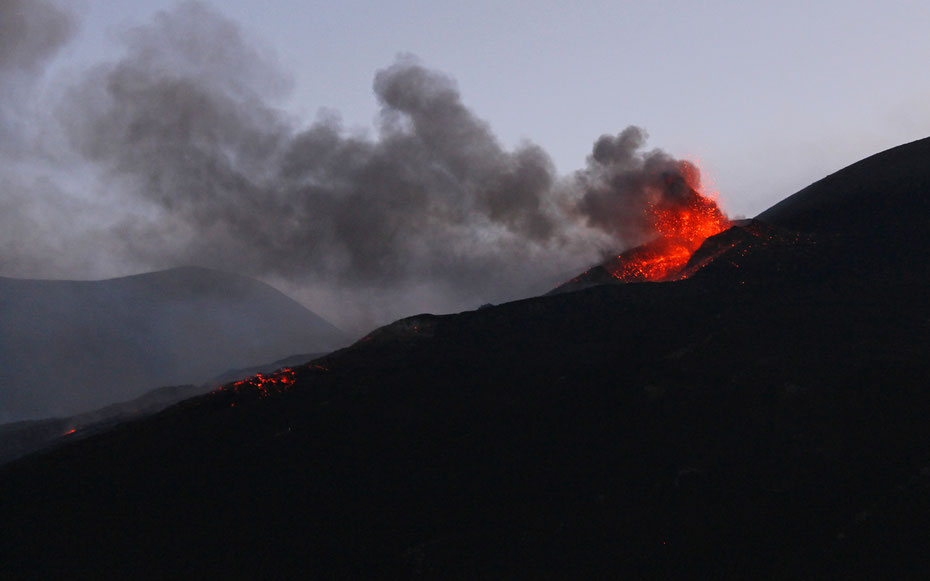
{"type": "Point", "coordinates": [766, 96]}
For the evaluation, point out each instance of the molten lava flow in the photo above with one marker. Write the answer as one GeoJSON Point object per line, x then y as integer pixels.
{"type": "Point", "coordinates": [681, 224]}
{"type": "Point", "coordinates": [264, 384]}
{"type": "Point", "coordinates": [653, 261]}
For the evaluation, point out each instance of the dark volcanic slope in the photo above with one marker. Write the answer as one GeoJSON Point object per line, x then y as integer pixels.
{"type": "Point", "coordinates": [879, 196]}
{"type": "Point", "coordinates": [18, 439]}
{"type": "Point", "coordinates": [765, 418]}
{"type": "Point", "coordinates": [863, 219]}
{"type": "Point", "coordinates": [68, 346]}
{"type": "Point", "coordinates": [871, 216]}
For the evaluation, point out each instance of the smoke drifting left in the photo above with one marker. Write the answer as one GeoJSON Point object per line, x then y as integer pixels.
{"type": "Point", "coordinates": [192, 163]}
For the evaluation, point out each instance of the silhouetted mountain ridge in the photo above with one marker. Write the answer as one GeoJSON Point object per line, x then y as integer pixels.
{"type": "Point", "coordinates": [764, 418]}
{"type": "Point", "coordinates": [871, 216]}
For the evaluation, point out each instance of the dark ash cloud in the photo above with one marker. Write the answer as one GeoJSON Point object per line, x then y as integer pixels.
{"type": "Point", "coordinates": [621, 181]}
{"type": "Point", "coordinates": [31, 31]}
{"type": "Point", "coordinates": [434, 195]}
{"type": "Point", "coordinates": [429, 213]}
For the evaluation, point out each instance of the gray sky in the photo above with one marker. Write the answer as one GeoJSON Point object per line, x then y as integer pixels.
{"type": "Point", "coordinates": [767, 96]}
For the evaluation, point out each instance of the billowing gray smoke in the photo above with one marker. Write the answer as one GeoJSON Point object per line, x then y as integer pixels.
{"type": "Point", "coordinates": [621, 180]}
{"type": "Point", "coordinates": [31, 31]}
{"type": "Point", "coordinates": [431, 213]}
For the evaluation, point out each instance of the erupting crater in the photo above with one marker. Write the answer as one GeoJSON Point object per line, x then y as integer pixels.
{"type": "Point", "coordinates": [681, 223]}
{"type": "Point", "coordinates": [677, 220]}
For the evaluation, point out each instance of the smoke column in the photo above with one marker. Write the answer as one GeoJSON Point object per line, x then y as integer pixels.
{"type": "Point", "coordinates": [191, 162]}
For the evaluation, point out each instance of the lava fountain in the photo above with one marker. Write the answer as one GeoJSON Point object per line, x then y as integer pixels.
{"type": "Point", "coordinates": [681, 217]}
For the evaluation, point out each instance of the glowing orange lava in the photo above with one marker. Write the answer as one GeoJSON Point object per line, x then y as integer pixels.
{"type": "Point", "coordinates": [264, 384]}
{"type": "Point", "coordinates": [680, 224]}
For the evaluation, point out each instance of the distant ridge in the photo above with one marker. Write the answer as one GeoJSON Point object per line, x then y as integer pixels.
{"type": "Point", "coordinates": [72, 346]}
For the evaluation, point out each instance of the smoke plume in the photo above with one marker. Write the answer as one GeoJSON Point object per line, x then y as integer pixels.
{"type": "Point", "coordinates": [31, 32]}
{"type": "Point", "coordinates": [197, 165]}
{"type": "Point", "coordinates": [621, 180]}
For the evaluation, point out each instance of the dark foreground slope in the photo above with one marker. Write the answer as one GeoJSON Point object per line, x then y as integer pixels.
{"type": "Point", "coordinates": [765, 418]}
{"type": "Point", "coordinates": [69, 346]}
{"type": "Point", "coordinates": [18, 439]}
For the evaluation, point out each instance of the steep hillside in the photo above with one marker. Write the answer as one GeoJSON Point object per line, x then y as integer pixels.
{"type": "Point", "coordinates": [871, 217]}
{"type": "Point", "coordinates": [880, 196]}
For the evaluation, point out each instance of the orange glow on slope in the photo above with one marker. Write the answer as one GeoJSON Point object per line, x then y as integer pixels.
{"type": "Point", "coordinates": [264, 384]}
{"type": "Point", "coordinates": [681, 225]}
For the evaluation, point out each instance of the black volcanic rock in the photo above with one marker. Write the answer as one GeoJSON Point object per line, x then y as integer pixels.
{"type": "Point", "coordinates": [765, 418]}
{"type": "Point", "coordinates": [71, 346]}
{"type": "Point", "coordinates": [871, 217]}
{"type": "Point", "coordinates": [596, 275]}
{"type": "Point", "coordinates": [874, 198]}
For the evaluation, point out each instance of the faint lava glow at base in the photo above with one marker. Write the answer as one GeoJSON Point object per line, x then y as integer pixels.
{"type": "Point", "coordinates": [265, 384]}
{"type": "Point", "coordinates": [681, 226]}
{"type": "Point", "coordinates": [262, 384]}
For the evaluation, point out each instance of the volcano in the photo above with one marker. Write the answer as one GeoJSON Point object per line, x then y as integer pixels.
{"type": "Point", "coordinates": [762, 416]}
{"type": "Point", "coordinates": [731, 247]}
{"type": "Point", "coordinates": [677, 221]}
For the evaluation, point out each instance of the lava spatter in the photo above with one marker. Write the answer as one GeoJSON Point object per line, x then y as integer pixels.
{"type": "Point", "coordinates": [680, 223]}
